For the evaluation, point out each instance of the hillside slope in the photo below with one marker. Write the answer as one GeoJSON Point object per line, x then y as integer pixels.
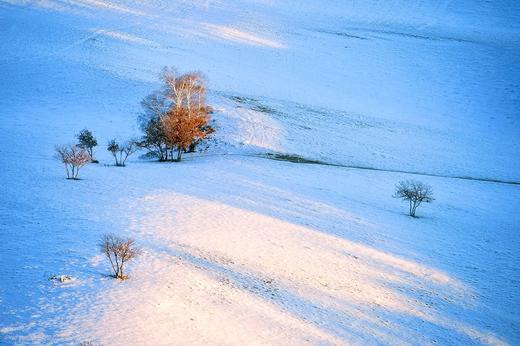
{"type": "Point", "coordinates": [239, 248]}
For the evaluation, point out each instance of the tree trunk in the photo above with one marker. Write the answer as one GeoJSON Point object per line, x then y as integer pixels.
{"type": "Point", "coordinates": [179, 154]}
{"type": "Point", "coordinates": [117, 265]}
{"type": "Point", "coordinates": [192, 147]}
{"type": "Point", "coordinates": [414, 207]}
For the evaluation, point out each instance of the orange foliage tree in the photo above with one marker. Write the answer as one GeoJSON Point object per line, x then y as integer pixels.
{"type": "Point", "coordinates": [182, 114]}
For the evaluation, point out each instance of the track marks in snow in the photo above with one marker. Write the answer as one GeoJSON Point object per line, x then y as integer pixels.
{"type": "Point", "coordinates": [211, 269]}
{"type": "Point", "coordinates": [240, 36]}
{"type": "Point", "coordinates": [255, 130]}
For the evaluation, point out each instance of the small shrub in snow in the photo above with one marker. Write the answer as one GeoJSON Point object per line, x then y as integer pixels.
{"type": "Point", "coordinates": [121, 152]}
{"type": "Point", "coordinates": [87, 141]}
{"type": "Point", "coordinates": [87, 343]}
{"type": "Point", "coordinates": [118, 251]}
{"type": "Point", "coordinates": [60, 278]}
{"type": "Point", "coordinates": [73, 157]}
{"type": "Point", "coordinates": [415, 192]}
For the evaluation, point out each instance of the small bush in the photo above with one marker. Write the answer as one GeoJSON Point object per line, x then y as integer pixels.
{"type": "Point", "coordinates": [121, 152]}
{"type": "Point", "coordinates": [87, 141]}
{"type": "Point", "coordinates": [415, 192]}
{"type": "Point", "coordinates": [118, 251]}
{"type": "Point", "coordinates": [73, 157]}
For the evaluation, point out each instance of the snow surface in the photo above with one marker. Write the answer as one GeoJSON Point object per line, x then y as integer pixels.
{"type": "Point", "coordinates": [241, 249]}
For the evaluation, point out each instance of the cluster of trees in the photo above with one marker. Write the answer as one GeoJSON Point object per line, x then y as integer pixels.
{"type": "Point", "coordinates": [75, 156]}
{"type": "Point", "coordinates": [118, 250]}
{"type": "Point", "coordinates": [175, 118]}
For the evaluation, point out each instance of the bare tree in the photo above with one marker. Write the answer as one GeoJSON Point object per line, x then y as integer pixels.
{"type": "Point", "coordinates": [118, 251]}
{"type": "Point", "coordinates": [415, 192]}
{"type": "Point", "coordinates": [87, 141]}
{"type": "Point", "coordinates": [121, 152]}
{"type": "Point", "coordinates": [73, 157]}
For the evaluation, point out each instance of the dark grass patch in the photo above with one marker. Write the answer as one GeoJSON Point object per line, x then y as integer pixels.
{"type": "Point", "coordinates": [264, 109]}
{"type": "Point", "coordinates": [244, 100]}
{"type": "Point", "coordinates": [254, 104]}
{"type": "Point", "coordinates": [293, 158]}
{"type": "Point", "coordinates": [342, 34]}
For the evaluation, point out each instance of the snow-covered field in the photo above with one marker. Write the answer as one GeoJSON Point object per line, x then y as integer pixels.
{"type": "Point", "coordinates": [241, 249]}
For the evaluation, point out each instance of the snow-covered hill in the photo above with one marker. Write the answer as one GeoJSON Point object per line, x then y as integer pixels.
{"type": "Point", "coordinates": [240, 249]}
